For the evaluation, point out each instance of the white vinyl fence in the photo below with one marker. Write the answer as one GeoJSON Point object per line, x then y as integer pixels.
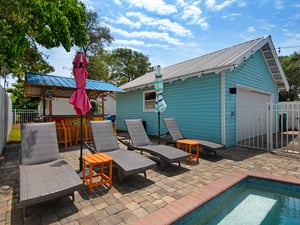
{"type": "Point", "coordinates": [270, 126]}
{"type": "Point", "coordinates": [5, 118]}
{"type": "Point", "coordinates": [25, 116]}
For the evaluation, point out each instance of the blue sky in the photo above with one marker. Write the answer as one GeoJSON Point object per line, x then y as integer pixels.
{"type": "Point", "coordinates": [172, 31]}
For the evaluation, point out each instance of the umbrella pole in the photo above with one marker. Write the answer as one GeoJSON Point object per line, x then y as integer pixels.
{"type": "Point", "coordinates": [158, 141]}
{"type": "Point", "coordinates": [81, 131]}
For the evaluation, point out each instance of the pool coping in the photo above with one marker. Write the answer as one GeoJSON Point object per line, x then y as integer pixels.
{"type": "Point", "coordinates": [178, 209]}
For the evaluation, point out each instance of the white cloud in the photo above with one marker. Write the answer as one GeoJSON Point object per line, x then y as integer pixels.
{"type": "Point", "coordinates": [242, 3]}
{"type": "Point", "coordinates": [295, 36]}
{"type": "Point", "coordinates": [148, 34]}
{"type": "Point", "coordinates": [231, 16]}
{"type": "Point", "coordinates": [129, 42]}
{"type": "Point", "coordinates": [118, 2]}
{"type": "Point", "coordinates": [192, 13]}
{"type": "Point", "coordinates": [124, 20]}
{"type": "Point", "coordinates": [181, 2]}
{"type": "Point", "coordinates": [161, 24]}
{"type": "Point", "coordinates": [60, 59]}
{"type": "Point", "coordinates": [278, 4]}
{"type": "Point", "coordinates": [158, 45]}
{"type": "Point", "coordinates": [212, 5]}
{"type": "Point", "coordinates": [89, 5]}
{"type": "Point", "coordinates": [158, 6]}
{"type": "Point", "coordinates": [268, 26]}
{"type": "Point", "coordinates": [251, 29]}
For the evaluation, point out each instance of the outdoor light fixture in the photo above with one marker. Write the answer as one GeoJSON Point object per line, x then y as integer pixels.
{"type": "Point", "coordinates": [232, 90]}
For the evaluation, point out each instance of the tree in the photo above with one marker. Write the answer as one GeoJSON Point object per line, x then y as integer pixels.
{"type": "Point", "coordinates": [126, 65]}
{"type": "Point", "coordinates": [94, 48]}
{"type": "Point", "coordinates": [18, 99]}
{"type": "Point", "coordinates": [291, 67]}
{"type": "Point", "coordinates": [98, 68]}
{"type": "Point", "coordinates": [34, 62]}
{"type": "Point", "coordinates": [97, 35]}
{"type": "Point", "coordinates": [25, 23]}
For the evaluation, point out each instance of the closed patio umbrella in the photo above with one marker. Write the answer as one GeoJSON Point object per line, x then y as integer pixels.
{"type": "Point", "coordinates": [79, 98]}
{"type": "Point", "coordinates": [160, 104]}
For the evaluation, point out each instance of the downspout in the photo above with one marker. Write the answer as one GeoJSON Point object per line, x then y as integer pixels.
{"type": "Point", "coordinates": [223, 110]}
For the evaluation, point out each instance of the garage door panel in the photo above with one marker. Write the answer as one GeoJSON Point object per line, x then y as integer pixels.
{"type": "Point", "coordinates": [252, 113]}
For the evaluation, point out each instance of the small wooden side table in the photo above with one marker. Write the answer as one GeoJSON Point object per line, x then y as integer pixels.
{"type": "Point", "coordinates": [99, 159]}
{"type": "Point", "coordinates": [188, 145]}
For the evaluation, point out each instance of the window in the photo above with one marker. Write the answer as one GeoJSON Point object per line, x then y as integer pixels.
{"type": "Point", "coordinates": [149, 101]}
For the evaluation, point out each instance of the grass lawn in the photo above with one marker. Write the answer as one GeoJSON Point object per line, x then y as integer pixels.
{"type": "Point", "coordinates": [15, 135]}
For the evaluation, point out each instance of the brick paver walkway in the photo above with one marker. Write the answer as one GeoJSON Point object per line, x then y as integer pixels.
{"type": "Point", "coordinates": [136, 196]}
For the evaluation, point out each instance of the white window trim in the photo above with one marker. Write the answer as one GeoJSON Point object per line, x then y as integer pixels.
{"type": "Point", "coordinates": [144, 109]}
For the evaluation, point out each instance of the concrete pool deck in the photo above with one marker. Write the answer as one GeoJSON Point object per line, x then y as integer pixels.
{"type": "Point", "coordinates": [137, 197]}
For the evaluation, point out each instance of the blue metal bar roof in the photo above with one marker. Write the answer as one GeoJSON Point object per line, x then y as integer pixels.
{"type": "Point", "coordinates": [36, 85]}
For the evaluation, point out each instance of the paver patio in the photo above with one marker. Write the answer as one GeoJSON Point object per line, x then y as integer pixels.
{"type": "Point", "coordinates": [136, 196]}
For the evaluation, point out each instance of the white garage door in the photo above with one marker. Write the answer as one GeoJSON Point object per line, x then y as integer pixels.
{"type": "Point", "coordinates": [252, 114]}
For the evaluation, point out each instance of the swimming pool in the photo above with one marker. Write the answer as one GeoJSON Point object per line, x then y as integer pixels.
{"type": "Point", "coordinates": [185, 210]}
{"type": "Point", "coordinates": [252, 201]}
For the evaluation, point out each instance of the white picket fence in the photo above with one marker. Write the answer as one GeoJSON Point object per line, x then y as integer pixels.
{"type": "Point", "coordinates": [25, 116]}
{"type": "Point", "coordinates": [270, 127]}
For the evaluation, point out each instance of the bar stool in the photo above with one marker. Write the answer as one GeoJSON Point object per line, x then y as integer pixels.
{"type": "Point", "coordinates": [86, 131]}
{"type": "Point", "coordinates": [63, 134]}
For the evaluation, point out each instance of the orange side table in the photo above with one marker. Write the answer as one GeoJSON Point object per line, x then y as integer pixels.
{"type": "Point", "coordinates": [99, 159]}
{"type": "Point", "coordinates": [188, 145]}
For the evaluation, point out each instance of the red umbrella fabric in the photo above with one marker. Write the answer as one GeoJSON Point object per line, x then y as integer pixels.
{"type": "Point", "coordinates": [79, 98]}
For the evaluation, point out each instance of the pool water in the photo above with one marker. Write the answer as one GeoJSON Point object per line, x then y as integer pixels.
{"type": "Point", "coordinates": [252, 201]}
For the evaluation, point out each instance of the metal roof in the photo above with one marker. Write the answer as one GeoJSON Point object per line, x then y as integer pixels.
{"type": "Point", "coordinates": [37, 84]}
{"type": "Point", "coordinates": [228, 58]}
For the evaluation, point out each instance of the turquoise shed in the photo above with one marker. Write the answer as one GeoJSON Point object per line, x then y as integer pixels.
{"type": "Point", "coordinates": [205, 94]}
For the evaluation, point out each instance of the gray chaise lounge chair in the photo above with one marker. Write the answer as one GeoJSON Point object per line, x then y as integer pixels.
{"type": "Point", "coordinates": [141, 141]}
{"type": "Point", "coordinates": [127, 162]}
{"type": "Point", "coordinates": [43, 175]}
{"type": "Point", "coordinates": [176, 134]}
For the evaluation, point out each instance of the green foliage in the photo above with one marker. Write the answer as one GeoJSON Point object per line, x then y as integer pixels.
{"type": "Point", "coordinates": [18, 99]}
{"type": "Point", "coordinates": [97, 67]}
{"type": "Point", "coordinates": [25, 23]}
{"type": "Point", "coordinates": [32, 61]}
{"type": "Point", "coordinates": [119, 66]}
{"type": "Point", "coordinates": [125, 65]}
{"type": "Point", "coordinates": [96, 108]}
{"type": "Point", "coordinates": [291, 67]}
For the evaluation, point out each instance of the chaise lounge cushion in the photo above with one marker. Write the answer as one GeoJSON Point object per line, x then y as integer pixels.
{"type": "Point", "coordinates": [127, 162]}
{"type": "Point", "coordinates": [38, 143]}
{"type": "Point", "coordinates": [46, 181]}
{"type": "Point", "coordinates": [141, 141]}
{"type": "Point", "coordinates": [43, 175]}
{"type": "Point", "coordinates": [176, 134]}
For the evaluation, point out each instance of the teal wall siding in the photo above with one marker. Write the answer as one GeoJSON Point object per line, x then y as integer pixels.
{"type": "Point", "coordinates": [253, 73]}
{"type": "Point", "coordinates": [194, 103]}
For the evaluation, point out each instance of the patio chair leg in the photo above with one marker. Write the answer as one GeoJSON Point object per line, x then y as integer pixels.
{"type": "Point", "coordinates": [25, 213]}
